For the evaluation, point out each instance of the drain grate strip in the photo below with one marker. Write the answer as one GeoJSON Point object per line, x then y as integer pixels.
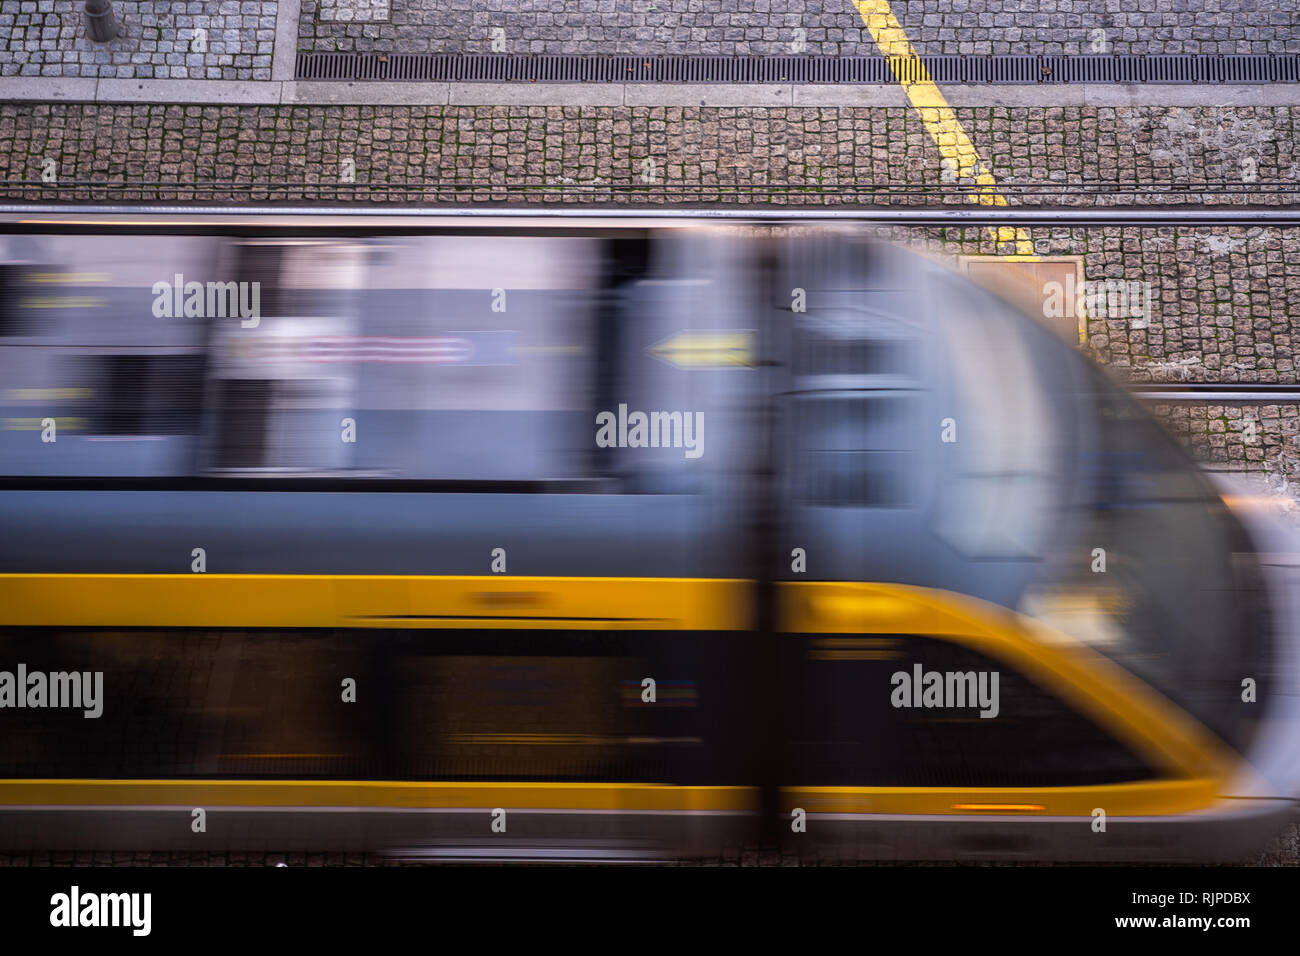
{"type": "Point", "coordinates": [1179, 68]}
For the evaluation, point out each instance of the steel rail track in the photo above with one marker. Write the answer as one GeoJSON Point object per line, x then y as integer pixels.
{"type": "Point", "coordinates": [1084, 195]}
{"type": "Point", "coordinates": [410, 216]}
{"type": "Point", "coordinates": [1216, 393]}
{"type": "Point", "coordinates": [959, 186]}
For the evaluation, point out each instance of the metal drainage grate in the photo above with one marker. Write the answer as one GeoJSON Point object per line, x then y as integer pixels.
{"type": "Point", "coordinates": [1185, 68]}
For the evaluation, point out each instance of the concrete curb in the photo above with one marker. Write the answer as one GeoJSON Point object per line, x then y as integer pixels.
{"type": "Point", "coordinates": [284, 55]}
{"type": "Point", "coordinates": [318, 92]}
{"type": "Point", "coordinates": [223, 92]}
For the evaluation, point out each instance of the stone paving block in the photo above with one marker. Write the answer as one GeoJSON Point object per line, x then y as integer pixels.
{"type": "Point", "coordinates": [53, 41]}
{"type": "Point", "coordinates": [812, 27]}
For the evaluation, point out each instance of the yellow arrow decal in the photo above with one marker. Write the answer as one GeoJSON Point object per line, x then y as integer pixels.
{"type": "Point", "coordinates": [698, 349]}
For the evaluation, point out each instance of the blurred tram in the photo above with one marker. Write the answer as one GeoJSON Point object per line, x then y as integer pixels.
{"type": "Point", "coordinates": [607, 539]}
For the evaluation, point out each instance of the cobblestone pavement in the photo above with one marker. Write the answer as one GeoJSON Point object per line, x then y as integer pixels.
{"type": "Point", "coordinates": [657, 154]}
{"type": "Point", "coordinates": [1216, 434]}
{"type": "Point", "coordinates": [814, 27]}
{"type": "Point", "coordinates": [225, 40]}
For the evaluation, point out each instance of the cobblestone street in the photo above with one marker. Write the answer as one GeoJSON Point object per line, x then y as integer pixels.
{"type": "Point", "coordinates": [233, 39]}
{"type": "Point", "coordinates": [229, 40]}
{"type": "Point", "coordinates": [802, 155]}
{"type": "Point", "coordinates": [812, 27]}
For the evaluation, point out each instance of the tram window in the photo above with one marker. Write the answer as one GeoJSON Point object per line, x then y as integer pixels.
{"type": "Point", "coordinates": [851, 732]}
{"type": "Point", "coordinates": [818, 353]}
{"type": "Point", "coordinates": [474, 705]}
{"type": "Point", "coordinates": [1174, 607]}
{"type": "Point", "coordinates": [497, 372]}
{"type": "Point", "coordinates": [264, 264]}
{"type": "Point", "coordinates": [137, 395]}
{"type": "Point", "coordinates": [195, 702]}
{"type": "Point", "coordinates": [285, 426]}
{"type": "Point", "coordinates": [455, 358]}
{"type": "Point", "coordinates": [854, 452]}
{"type": "Point", "coordinates": [241, 427]}
{"type": "Point", "coordinates": [14, 319]}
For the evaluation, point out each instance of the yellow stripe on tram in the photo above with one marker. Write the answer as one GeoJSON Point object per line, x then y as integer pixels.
{"type": "Point", "coordinates": [374, 600]}
{"type": "Point", "coordinates": [385, 794]}
{"type": "Point", "coordinates": [938, 117]}
{"type": "Point", "coordinates": [1145, 798]}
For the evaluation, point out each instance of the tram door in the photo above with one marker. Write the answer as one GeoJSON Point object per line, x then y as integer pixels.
{"type": "Point", "coordinates": [858, 430]}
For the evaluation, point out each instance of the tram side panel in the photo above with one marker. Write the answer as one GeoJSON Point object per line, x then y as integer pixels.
{"type": "Point", "coordinates": [493, 685]}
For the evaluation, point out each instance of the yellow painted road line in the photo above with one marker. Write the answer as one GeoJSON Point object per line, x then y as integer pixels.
{"type": "Point", "coordinates": [939, 119]}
